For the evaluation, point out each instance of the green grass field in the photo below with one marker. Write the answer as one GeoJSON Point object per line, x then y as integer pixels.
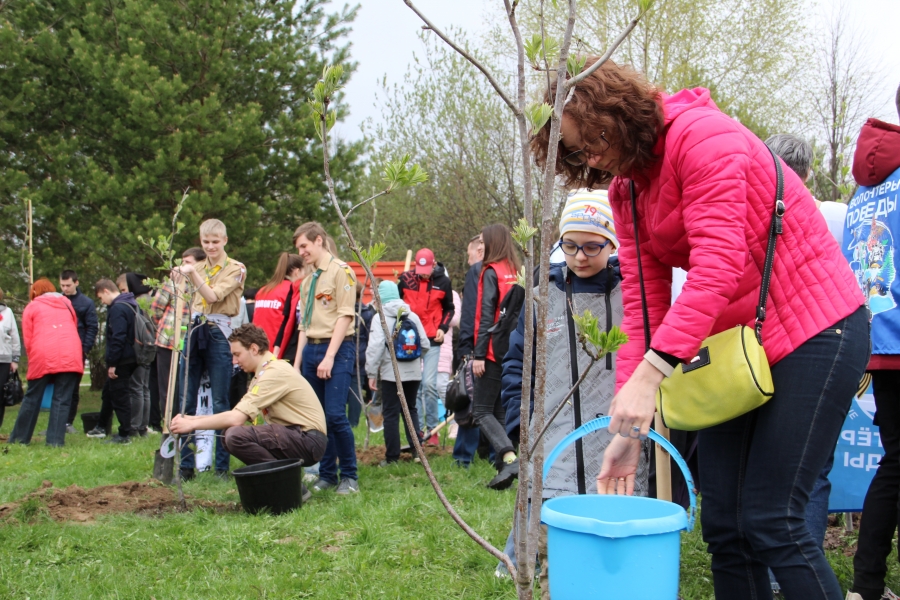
{"type": "Point", "coordinates": [393, 540]}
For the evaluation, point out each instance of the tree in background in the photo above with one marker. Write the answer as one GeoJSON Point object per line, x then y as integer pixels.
{"type": "Point", "coordinates": [841, 94]}
{"type": "Point", "coordinates": [746, 53]}
{"type": "Point", "coordinates": [110, 110]}
{"type": "Point", "coordinates": [456, 128]}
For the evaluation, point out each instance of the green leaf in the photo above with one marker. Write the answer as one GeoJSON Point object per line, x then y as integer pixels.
{"type": "Point", "coordinates": [538, 51]}
{"type": "Point", "coordinates": [533, 49]}
{"type": "Point", "coordinates": [520, 277]}
{"type": "Point", "coordinates": [523, 232]}
{"type": "Point", "coordinates": [398, 175]}
{"type": "Point", "coordinates": [644, 5]}
{"type": "Point", "coordinates": [538, 115]}
{"type": "Point", "coordinates": [373, 254]}
{"type": "Point", "coordinates": [575, 64]}
{"type": "Point", "coordinates": [602, 343]}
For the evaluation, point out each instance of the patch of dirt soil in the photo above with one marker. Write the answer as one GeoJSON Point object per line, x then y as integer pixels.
{"type": "Point", "coordinates": [375, 454]}
{"type": "Point", "coordinates": [838, 538]}
{"type": "Point", "coordinates": [80, 505]}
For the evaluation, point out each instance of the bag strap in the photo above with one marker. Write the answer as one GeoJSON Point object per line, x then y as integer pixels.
{"type": "Point", "coordinates": [576, 395]}
{"type": "Point", "coordinates": [775, 230]}
{"type": "Point", "coordinates": [637, 245]}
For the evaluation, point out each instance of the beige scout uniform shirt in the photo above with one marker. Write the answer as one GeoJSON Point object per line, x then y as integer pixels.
{"type": "Point", "coordinates": [335, 297]}
{"type": "Point", "coordinates": [283, 397]}
{"type": "Point", "coordinates": [227, 283]}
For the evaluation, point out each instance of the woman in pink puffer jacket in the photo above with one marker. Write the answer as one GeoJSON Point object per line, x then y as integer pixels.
{"type": "Point", "coordinates": [705, 190]}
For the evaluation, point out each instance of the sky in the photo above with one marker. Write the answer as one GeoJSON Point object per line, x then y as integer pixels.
{"type": "Point", "coordinates": [384, 38]}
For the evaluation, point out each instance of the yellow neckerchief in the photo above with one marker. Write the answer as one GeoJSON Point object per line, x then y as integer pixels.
{"type": "Point", "coordinates": [210, 275]}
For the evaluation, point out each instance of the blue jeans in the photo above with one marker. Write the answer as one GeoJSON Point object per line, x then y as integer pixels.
{"type": "Point", "coordinates": [759, 470]}
{"type": "Point", "coordinates": [63, 386]}
{"type": "Point", "coordinates": [332, 394]}
{"type": "Point", "coordinates": [466, 444]}
{"type": "Point", "coordinates": [216, 360]}
{"type": "Point", "coordinates": [354, 407]}
{"type": "Point", "coordinates": [427, 398]}
{"type": "Point", "coordinates": [816, 510]}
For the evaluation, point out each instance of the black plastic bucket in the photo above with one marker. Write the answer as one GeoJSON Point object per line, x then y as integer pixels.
{"type": "Point", "coordinates": [90, 420]}
{"type": "Point", "coordinates": [272, 486]}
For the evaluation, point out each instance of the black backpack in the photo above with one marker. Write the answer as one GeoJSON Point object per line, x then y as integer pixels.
{"type": "Point", "coordinates": [144, 338]}
{"type": "Point", "coordinates": [506, 323]}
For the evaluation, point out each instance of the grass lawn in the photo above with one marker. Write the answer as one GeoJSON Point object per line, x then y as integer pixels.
{"type": "Point", "coordinates": [393, 540]}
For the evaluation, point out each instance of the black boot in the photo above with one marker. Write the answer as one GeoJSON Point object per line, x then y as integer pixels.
{"type": "Point", "coordinates": [508, 473]}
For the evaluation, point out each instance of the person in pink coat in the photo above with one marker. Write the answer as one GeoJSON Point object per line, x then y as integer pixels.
{"type": "Point", "coordinates": [445, 364]}
{"type": "Point", "coordinates": [53, 348]}
{"type": "Point", "coordinates": [705, 195]}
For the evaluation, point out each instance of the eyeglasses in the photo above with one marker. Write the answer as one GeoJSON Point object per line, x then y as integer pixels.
{"type": "Point", "coordinates": [590, 249]}
{"type": "Point", "coordinates": [579, 157]}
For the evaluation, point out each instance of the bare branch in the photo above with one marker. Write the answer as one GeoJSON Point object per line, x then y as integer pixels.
{"type": "Point", "coordinates": [366, 201]}
{"type": "Point", "coordinates": [571, 83]}
{"type": "Point", "coordinates": [494, 83]}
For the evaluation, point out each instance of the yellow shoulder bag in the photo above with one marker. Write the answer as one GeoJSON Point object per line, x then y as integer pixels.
{"type": "Point", "coordinates": [730, 376]}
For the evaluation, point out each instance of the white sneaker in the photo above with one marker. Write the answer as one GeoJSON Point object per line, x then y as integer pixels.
{"type": "Point", "coordinates": [888, 595]}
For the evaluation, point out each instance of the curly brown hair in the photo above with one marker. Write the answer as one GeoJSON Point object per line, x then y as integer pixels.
{"type": "Point", "coordinates": [248, 334]}
{"type": "Point", "coordinates": [618, 100]}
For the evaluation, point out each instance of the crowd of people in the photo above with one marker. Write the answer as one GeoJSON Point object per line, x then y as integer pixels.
{"type": "Point", "coordinates": [673, 252]}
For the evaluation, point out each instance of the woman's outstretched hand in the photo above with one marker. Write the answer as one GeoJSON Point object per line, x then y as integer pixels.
{"type": "Point", "coordinates": [632, 409]}
{"type": "Point", "coordinates": [620, 462]}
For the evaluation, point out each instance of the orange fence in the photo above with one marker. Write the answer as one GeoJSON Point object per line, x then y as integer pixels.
{"type": "Point", "coordinates": [383, 270]}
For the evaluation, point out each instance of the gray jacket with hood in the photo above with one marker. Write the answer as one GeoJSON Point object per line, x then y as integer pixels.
{"type": "Point", "coordinates": [10, 344]}
{"type": "Point", "coordinates": [378, 361]}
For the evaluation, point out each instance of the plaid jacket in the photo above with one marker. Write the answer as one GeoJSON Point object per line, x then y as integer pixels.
{"type": "Point", "coordinates": [162, 313]}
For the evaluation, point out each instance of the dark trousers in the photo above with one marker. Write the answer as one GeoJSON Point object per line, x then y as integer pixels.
{"type": "Point", "coordinates": [758, 470]}
{"type": "Point", "coordinates": [239, 382]}
{"type": "Point", "coordinates": [155, 411]}
{"type": "Point", "coordinates": [4, 375]}
{"type": "Point", "coordinates": [488, 410]}
{"type": "Point", "coordinates": [332, 393]}
{"type": "Point", "coordinates": [265, 443]}
{"type": "Point", "coordinates": [116, 397]}
{"type": "Point", "coordinates": [163, 366]}
{"type": "Point", "coordinates": [215, 359]}
{"type": "Point", "coordinates": [73, 408]}
{"type": "Point", "coordinates": [880, 510]}
{"type": "Point", "coordinates": [59, 409]}
{"type": "Point", "coordinates": [390, 407]}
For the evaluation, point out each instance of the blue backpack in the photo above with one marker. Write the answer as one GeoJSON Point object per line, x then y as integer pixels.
{"type": "Point", "coordinates": [407, 344]}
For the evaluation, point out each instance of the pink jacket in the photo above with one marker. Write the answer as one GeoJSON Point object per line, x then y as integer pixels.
{"type": "Point", "coordinates": [445, 365]}
{"type": "Point", "coordinates": [50, 329]}
{"type": "Point", "coordinates": [706, 207]}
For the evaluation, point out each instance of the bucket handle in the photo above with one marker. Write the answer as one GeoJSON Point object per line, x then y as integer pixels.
{"type": "Point", "coordinates": [601, 422]}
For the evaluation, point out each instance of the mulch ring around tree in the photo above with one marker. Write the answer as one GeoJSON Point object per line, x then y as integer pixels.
{"type": "Point", "coordinates": [375, 454]}
{"type": "Point", "coordinates": [79, 505]}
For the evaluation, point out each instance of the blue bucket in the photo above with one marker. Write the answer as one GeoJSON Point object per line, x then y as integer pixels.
{"type": "Point", "coordinates": [614, 546]}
